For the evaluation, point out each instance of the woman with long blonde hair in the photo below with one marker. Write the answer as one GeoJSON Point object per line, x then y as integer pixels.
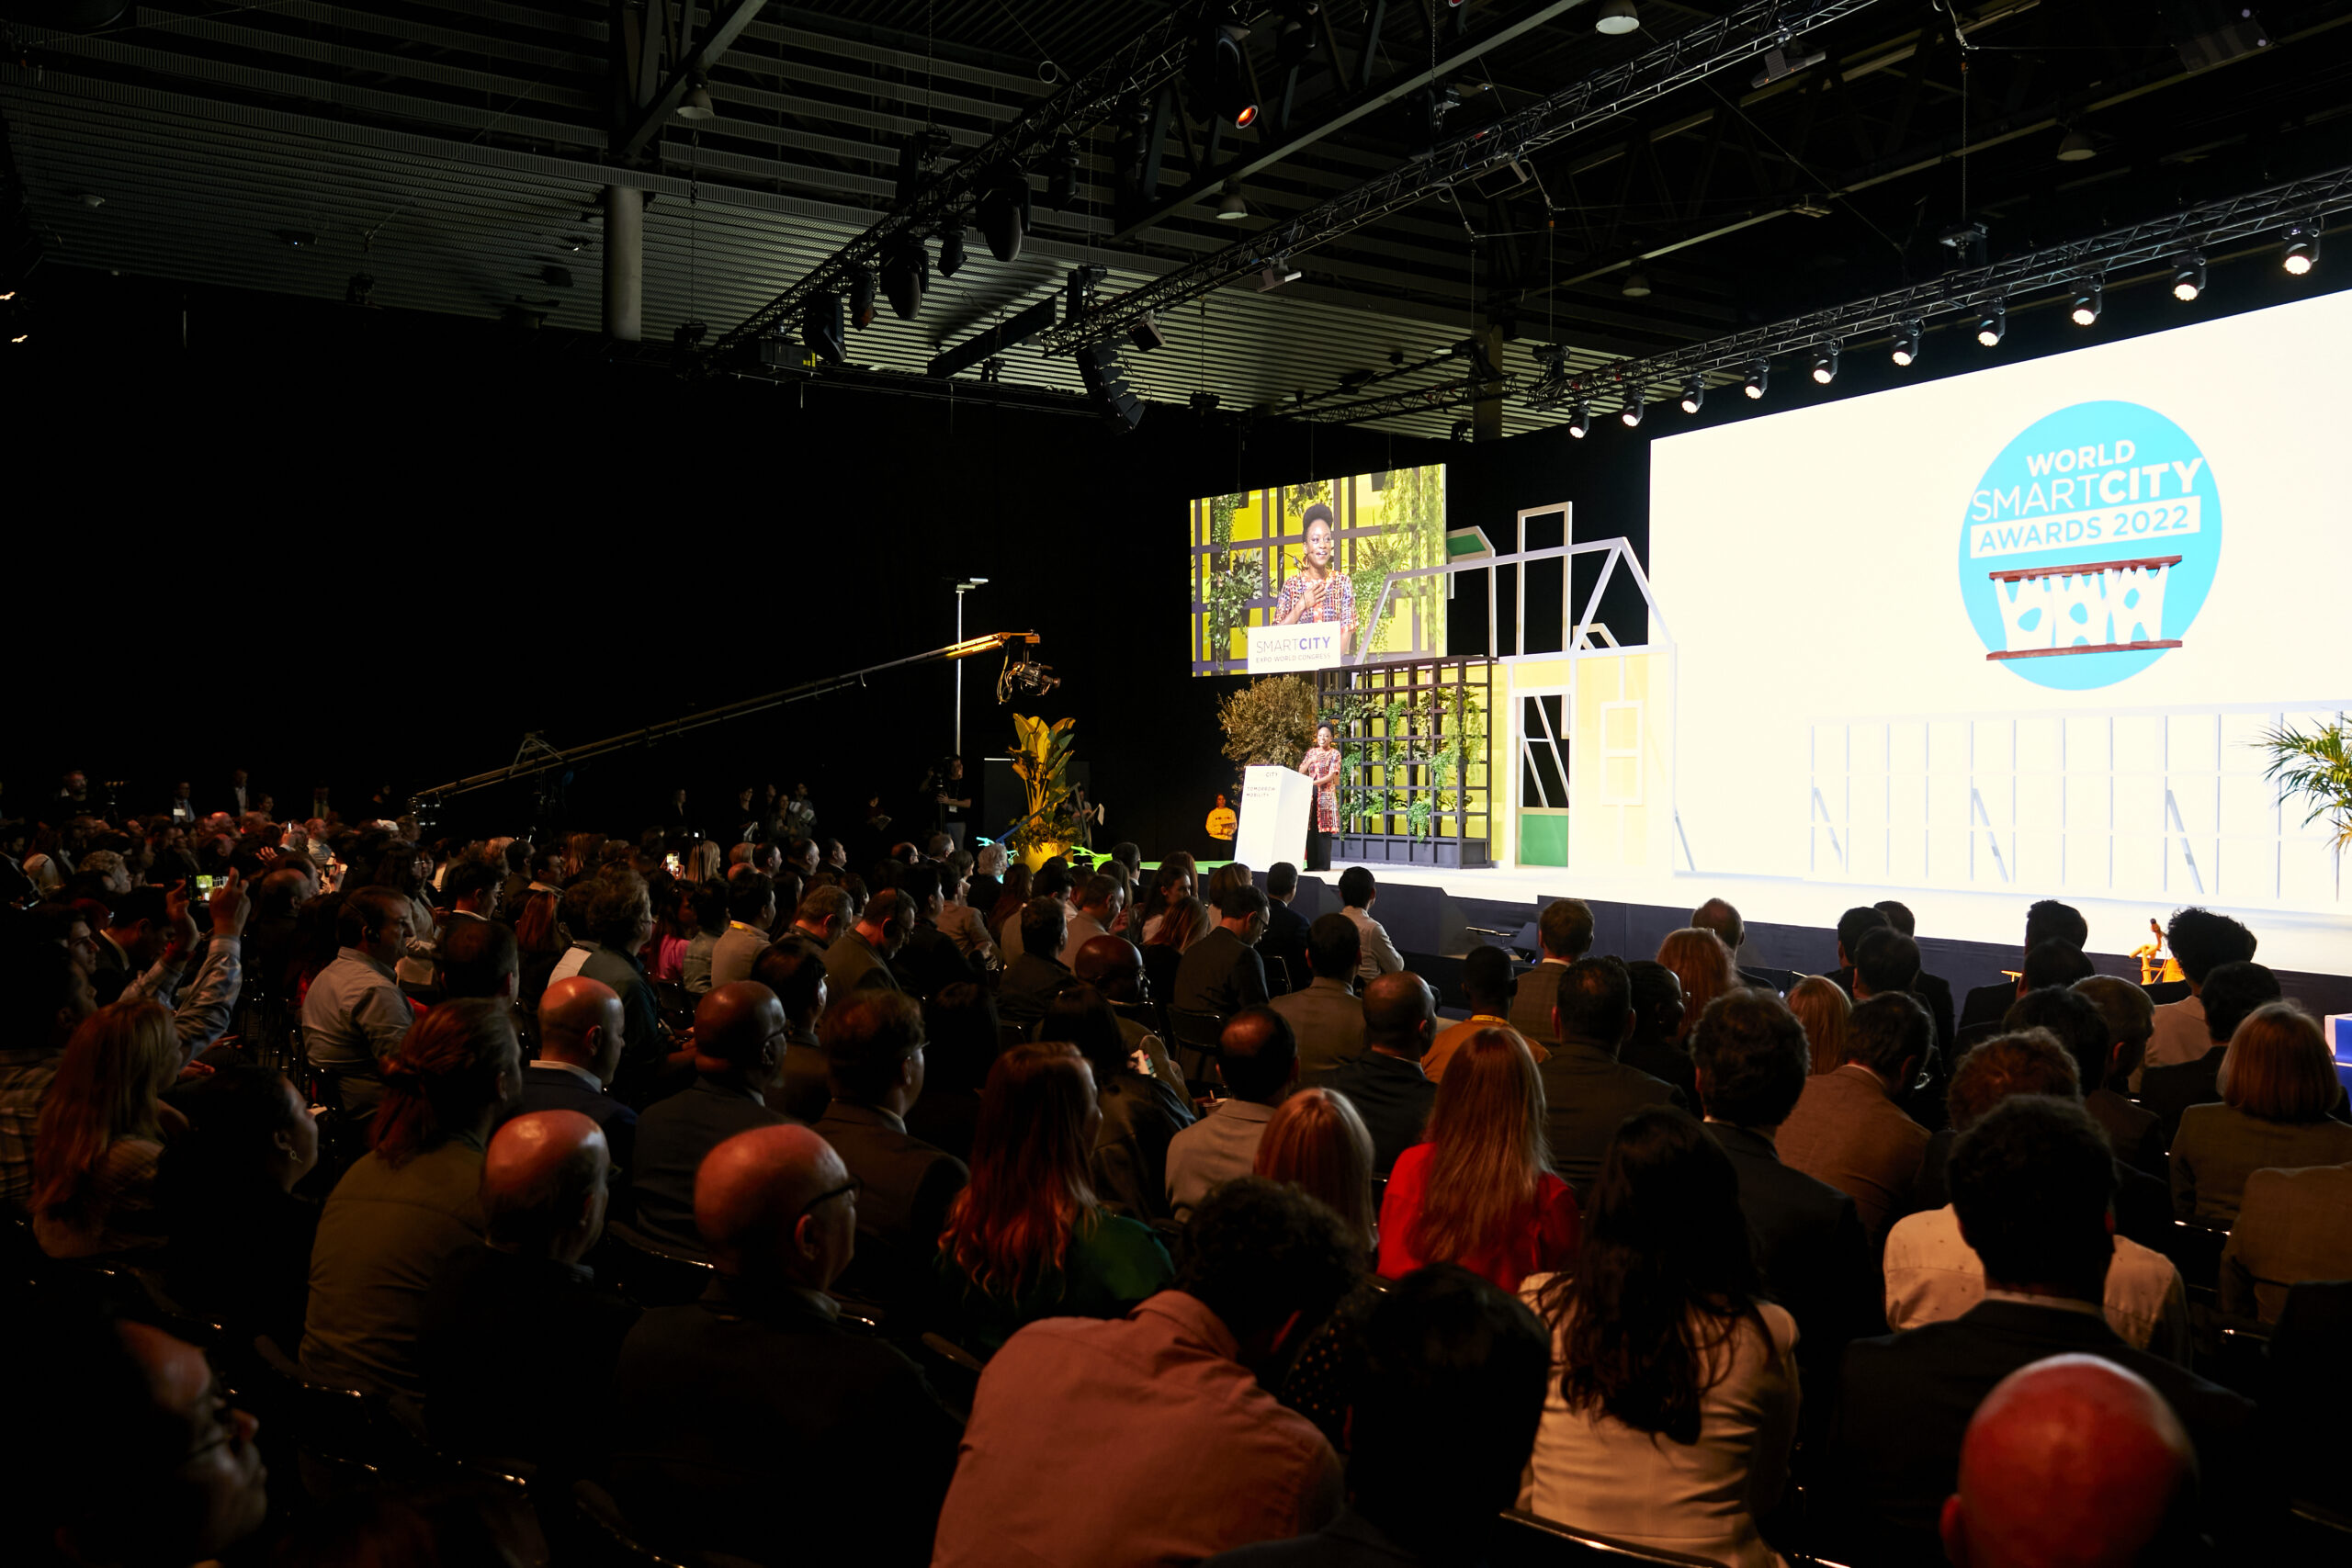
{"type": "Point", "coordinates": [99, 1141]}
{"type": "Point", "coordinates": [1317, 1141]}
{"type": "Point", "coordinates": [1821, 1005]}
{"type": "Point", "coordinates": [1027, 1239]}
{"type": "Point", "coordinates": [1481, 1192]}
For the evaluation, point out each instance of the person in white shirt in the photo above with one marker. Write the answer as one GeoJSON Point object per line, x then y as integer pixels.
{"type": "Point", "coordinates": [2201, 942]}
{"type": "Point", "coordinates": [1357, 893]}
{"type": "Point", "coordinates": [1933, 1275]}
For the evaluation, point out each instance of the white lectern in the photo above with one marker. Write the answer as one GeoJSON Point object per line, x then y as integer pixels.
{"type": "Point", "coordinates": [1275, 806]}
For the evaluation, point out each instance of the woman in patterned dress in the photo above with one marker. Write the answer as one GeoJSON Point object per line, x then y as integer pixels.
{"type": "Point", "coordinates": [1319, 590]}
{"type": "Point", "coordinates": [1321, 765]}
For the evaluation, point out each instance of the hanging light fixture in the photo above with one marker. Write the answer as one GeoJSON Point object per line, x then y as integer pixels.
{"type": "Point", "coordinates": [1905, 352]}
{"type": "Point", "coordinates": [2303, 250]}
{"type": "Point", "coordinates": [1580, 425]}
{"type": "Point", "coordinates": [1759, 380]}
{"type": "Point", "coordinates": [1616, 18]}
{"type": "Point", "coordinates": [1825, 362]}
{"type": "Point", "coordinates": [1230, 207]}
{"type": "Point", "coordinates": [2188, 277]}
{"type": "Point", "coordinates": [1694, 394]}
{"type": "Point", "coordinates": [1993, 325]}
{"type": "Point", "coordinates": [2089, 303]}
{"type": "Point", "coordinates": [696, 105]}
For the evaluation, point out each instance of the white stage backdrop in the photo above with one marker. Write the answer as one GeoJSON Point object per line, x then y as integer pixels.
{"type": "Point", "coordinates": [2021, 628]}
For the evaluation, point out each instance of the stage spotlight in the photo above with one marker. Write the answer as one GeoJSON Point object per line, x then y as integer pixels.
{"type": "Point", "coordinates": [1759, 380]}
{"type": "Point", "coordinates": [1993, 325]}
{"type": "Point", "coordinates": [1581, 425]}
{"type": "Point", "coordinates": [2303, 249]}
{"type": "Point", "coordinates": [1907, 343]}
{"type": "Point", "coordinates": [905, 267]}
{"type": "Point", "coordinates": [1616, 17]}
{"type": "Point", "coordinates": [820, 328]}
{"type": "Point", "coordinates": [1694, 394]}
{"type": "Point", "coordinates": [861, 299]}
{"type": "Point", "coordinates": [951, 250]}
{"type": "Point", "coordinates": [1825, 362]}
{"type": "Point", "coordinates": [1004, 211]}
{"type": "Point", "coordinates": [1634, 409]}
{"type": "Point", "coordinates": [1232, 81]}
{"type": "Point", "coordinates": [2089, 303]}
{"type": "Point", "coordinates": [2188, 277]}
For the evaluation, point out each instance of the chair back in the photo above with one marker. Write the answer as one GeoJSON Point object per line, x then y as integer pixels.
{"type": "Point", "coordinates": [2309, 1380]}
{"type": "Point", "coordinates": [652, 1273]}
{"type": "Point", "coordinates": [1198, 1037]}
{"type": "Point", "coordinates": [606, 1537]}
{"type": "Point", "coordinates": [1528, 1542]}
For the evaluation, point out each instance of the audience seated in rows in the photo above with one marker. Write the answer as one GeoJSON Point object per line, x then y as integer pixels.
{"type": "Point", "coordinates": [2046, 920]}
{"type": "Point", "coordinates": [754, 1416]}
{"type": "Point", "coordinates": [1257, 1058]}
{"type": "Point", "coordinates": [1563, 935]}
{"type": "Point", "coordinates": [860, 957]}
{"type": "Point", "coordinates": [1663, 1014]}
{"type": "Point", "coordinates": [1326, 1014]}
{"type": "Point", "coordinates": [2229, 996]}
{"type": "Point", "coordinates": [1027, 1239]}
{"type": "Point", "coordinates": [1675, 1409]}
{"type": "Point", "coordinates": [1222, 974]}
{"type": "Point", "coordinates": [794, 968]}
{"type": "Point", "coordinates": [1587, 1092]}
{"type": "Point", "coordinates": [1822, 1005]}
{"type": "Point", "coordinates": [239, 1240]}
{"type": "Point", "coordinates": [404, 1208]}
{"type": "Point", "coordinates": [2031, 1183]}
{"type": "Point", "coordinates": [1033, 977]}
{"type": "Point", "coordinates": [1723, 918]}
{"type": "Point", "coordinates": [1129, 1407]}
{"type": "Point", "coordinates": [354, 1016]}
{"type": "Point", "coordinates": [99, 1142]}
{"type": "Point", "coordinates": [1385, 1082]}
{"type": "Point", "coordinates": [2128, 1017]}
{"type": "Point", "coordinates": [2279, 1099]}
{"type": "Point", "coordinates": [1357, 893]}
{"type": "Point", "coordinates": [965, 1040]}
{"type": "Point", "coordinates": [1283, 946]}
{"type": "Point", "coordinates": [2142, 1205]}
{"type": "Point", "coordinates": [1481, 1192]}
{"type": "Point", "coordinates": [2292, 1226]}
{"type": "Point", "coordinates": [750, 914]}
{"type": "Point", "coordinates": [1932, 1274]}
{"type": "Point", "coordinates": [1933, 991]}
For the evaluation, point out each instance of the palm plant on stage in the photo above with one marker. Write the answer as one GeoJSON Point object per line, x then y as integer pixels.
{"type": "Point", "coordinates": [2318, 767]}
{"type": "Point", "coordinates": [1041, 756]}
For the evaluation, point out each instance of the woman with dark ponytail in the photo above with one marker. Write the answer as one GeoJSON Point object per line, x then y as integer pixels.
{"type": "Point", "coordinates": [405, 1208]}
{"type": "Point", "coordinates": [1675, 1400]}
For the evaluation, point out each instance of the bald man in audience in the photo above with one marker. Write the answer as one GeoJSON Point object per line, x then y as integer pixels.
{"type": "Point", "coordinates": [1259, 1062]}
{"type": "Point", "coordinates": [581, 1028]}
{"type": "Point", "coordinates": [2071, 1462]}
{"type": "Point", "coordinates": [1114, 965]}
{"type": "Point", "coordinates": [740, 1034]}
{"type": "Point", "coordinates": [1386, 1083]}
{"type": "Point", "coordinates": [518, 1343]}
{"type": "Point", "coordinates": [757, 1387]}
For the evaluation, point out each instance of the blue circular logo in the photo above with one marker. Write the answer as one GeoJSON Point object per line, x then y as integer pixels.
{"type": "Point", "coordinates": [2090, 546]}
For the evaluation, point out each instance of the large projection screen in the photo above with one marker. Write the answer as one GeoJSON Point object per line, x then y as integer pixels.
{"type": "Point", "coordinates": [2021, 629]}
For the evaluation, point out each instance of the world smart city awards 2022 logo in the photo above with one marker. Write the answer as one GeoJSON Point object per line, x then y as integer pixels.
{"type": "Point", "coordinates": [2090, 546]}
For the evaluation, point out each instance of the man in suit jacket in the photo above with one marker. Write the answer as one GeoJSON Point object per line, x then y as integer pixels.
{"type": "Point", "coordinates": [750, 915]}
{"type": "Point", "coordinates": [860, 957]}
{"type": "Point", "coordinates": [2048, 921]}
{"type": "Point", "coordinates": [2292, 1226]}
{"type": "Point", "coordinates": [738, 1043]}
{"type": "Point", "coordinates": [1587, 1092]}
{"type": "Point", "coordinates": [581, 1025]}
{"type": "Point", "coordinates": [874, 1047]}
{"type": "Point", "coordinates": [1753, 1064]}
{"type": "Point", "coordinates": [1564, 933]}
{"type": "Point", "coordinates": [2031, 1183]}
{"type": "Point", "coordinates": [1386, 1083]}
{"type": "Point", "coordinates": [1847, 1130]}
{"type": "Point", "coordinates": [713, 1401]}
{"type": "Point", "coordinates": [930, 962]}
{"type": "Point", "coordinates": [1285, 937]}
{"type": "Point", "coordinates": [1221, 973]}
{"type": "Point", "coordinates": [1327, 1016]}
{"type": "Point", "coordinates": [794, 968]}
{"type": "Point", "coordinates": [1933, 991]}
{"type": "Point", "coordinates": [1718, 915]}
{"type": "Point", "coordinates": [1033, 978]}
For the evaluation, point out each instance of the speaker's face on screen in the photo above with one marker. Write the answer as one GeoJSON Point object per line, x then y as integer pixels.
{"type": "Point", "coordinates": [1318, 542]}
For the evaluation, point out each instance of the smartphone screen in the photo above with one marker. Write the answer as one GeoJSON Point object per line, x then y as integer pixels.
{"type": "Point", "coordinates": [204, 887]}
{"type": "Point", "coordinates": [676, 867]}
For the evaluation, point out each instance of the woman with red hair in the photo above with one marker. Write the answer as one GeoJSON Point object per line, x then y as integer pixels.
{"type": "Point", "coordinates": [1027, 1239]}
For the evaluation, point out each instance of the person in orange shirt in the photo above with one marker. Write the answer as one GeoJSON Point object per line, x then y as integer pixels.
{"type": "Point", "coordinates": [1487, 980]}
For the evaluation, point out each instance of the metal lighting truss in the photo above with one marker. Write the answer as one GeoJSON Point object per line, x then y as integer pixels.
{"type": "Point", "coordinates": [2058, 268]}
{"type": "Point", "coordinates": [2159, 241]}
{"type": "Point", "coordinates": [1136, 68]}
{"type": "Point", "coordinates": [1745, 34]}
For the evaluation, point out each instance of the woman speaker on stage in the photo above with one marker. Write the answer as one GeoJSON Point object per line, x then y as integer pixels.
{"type": "Point", "coordinates": [1319, 590]}
{"type": "Point", "coordinates": [1321, 765]}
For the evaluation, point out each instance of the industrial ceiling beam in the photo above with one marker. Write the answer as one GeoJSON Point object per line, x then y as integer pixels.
{"type": "Point", "coordinates": [1744, 35]}
{"type": "Point", "coordinates": [1369, 100]}
{"type": "Point", "coordinates": [1136, 68]}
{"type": "Point", "coordinates": [697, 62]}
